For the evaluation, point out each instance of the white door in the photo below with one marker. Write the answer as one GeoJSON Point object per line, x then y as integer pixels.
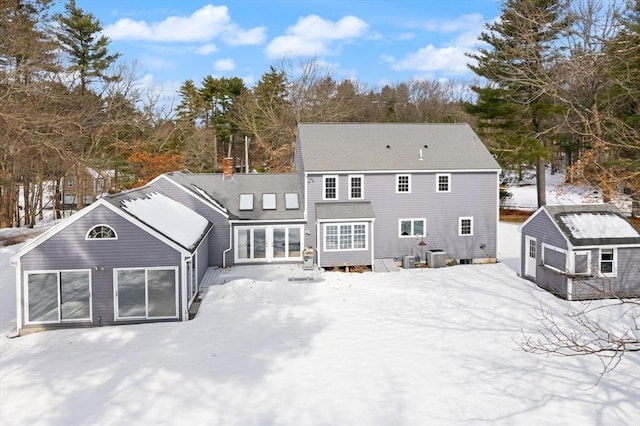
{"type": "Point", "coordinates": [531, 249]}
{"type": "Point", "coordinates": [268, 243]}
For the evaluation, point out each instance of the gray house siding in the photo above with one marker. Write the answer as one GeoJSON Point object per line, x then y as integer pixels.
{"type": "Point", "coordinates": [626, 283]}
{"type": "Point", "coordinates": [219, 235]}
{"type": "Point", "coordinates": [69, 249]}
{"type": "Point", "coordinates": [473, 194]}
{"type": "Point", "coordinates": [542, 228]}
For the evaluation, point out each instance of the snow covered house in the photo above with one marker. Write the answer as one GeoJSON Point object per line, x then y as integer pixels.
{"type": "Point", "coordinates": [360, 194]}
{"type": "Point", "coordinates": [377, 192]}
{"type": "Point", "coordinates": [131, 258]}
{"type": "Point", "coordinates": [581, 252]}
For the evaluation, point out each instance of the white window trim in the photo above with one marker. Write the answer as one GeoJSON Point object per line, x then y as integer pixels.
{"type": "Point", "coordinates": [361, 187]}
{"type": "Point", "coordinates": [614, 261]}
{"type": "Point", "coordinates": [556, 249]}
{"type": "Point", "coordinates": [398, 183]}
{"type": "Point", "coordinates": [86, 237]}
{"type": "Point", "coordinates": [60, 320]}
{"type": "Point", "coordinates": [448, 176]}
{"type": "Point", "coordinates": [460, 219]}
{"type": "Point", "coordinates": [324, 187]}
{"type": "Point", "coordinates": [339, 224]}
{"type": "Point", "coordinates": [412, 220]}
{"type": "Point", "coordinates": [572, 262]}
{"type": "Point", "coordinates": [146, 292]}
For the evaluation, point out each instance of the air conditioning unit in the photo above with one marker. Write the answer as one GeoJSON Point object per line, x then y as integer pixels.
{"type": "Point", "coordinates": [436, 258]}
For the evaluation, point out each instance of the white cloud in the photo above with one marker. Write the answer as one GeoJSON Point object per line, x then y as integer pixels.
{"type": "Point", "coordinates": [471, 22]}
{"type": "Point", "coordinates": [313, 35]}
{"type": "Point", "coordinates": [206, 49]}
{"type": "Point", "coordinates": [446, 60]}
{"type": "Point", "coordinates": [202, 25]}
{"type": "Point", "coordinates": [224, 65]}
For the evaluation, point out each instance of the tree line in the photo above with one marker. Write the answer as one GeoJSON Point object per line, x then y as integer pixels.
{"type": "Point", "coordinates": [558, 83]}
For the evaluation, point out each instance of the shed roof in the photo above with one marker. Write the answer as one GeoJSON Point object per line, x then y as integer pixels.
{"type": "Point", "coordinates": [593, 224]}
{"type": "Point", "coordinates": [226, 192]}
{"type": "Point", "coordinates": [392, 147]}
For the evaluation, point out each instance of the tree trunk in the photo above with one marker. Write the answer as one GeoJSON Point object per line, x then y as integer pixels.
{"type": "Point", "coordinates": [541, 182]}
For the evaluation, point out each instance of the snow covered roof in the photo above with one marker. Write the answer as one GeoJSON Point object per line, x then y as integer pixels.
{"type": "Point", "coordinates": [176, 221]}
{"type": "Point", "coordinates": [593, 224]}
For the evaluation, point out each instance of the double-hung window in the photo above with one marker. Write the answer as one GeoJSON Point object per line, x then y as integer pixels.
{"type": "Point", "coordinates": [330, 187]}
{"type": "Point", "coordinates": [345, 236]}
{"type": "Point", "coordinates": [355, 187]}
{"type": "Point", "coordinates": [443, 182]}
{"type": "Point", "coordinates": [465, 226]}
{"type": "Point", "coordinates": [608, 262]}
{"type": "Point", "coordinates": [412, 228]}
{"type": "Point", "coordinates": [403, 183]}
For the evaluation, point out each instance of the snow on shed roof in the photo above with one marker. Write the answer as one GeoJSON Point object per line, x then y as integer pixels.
{"type": "Point", "coordinates": [176, 221]}
{"type": "Point", "coordinates": [598, 225]}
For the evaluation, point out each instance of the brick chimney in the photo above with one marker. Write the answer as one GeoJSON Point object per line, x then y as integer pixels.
{"type": "Point", "coordinates": [227, 167]}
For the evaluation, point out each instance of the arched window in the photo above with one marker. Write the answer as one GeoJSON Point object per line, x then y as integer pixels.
{"type": "Point", "coordinates": [101, 232]}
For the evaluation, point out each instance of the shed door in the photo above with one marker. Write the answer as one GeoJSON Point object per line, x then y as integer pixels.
{"type": "Point", "coordinates": [531, 248]}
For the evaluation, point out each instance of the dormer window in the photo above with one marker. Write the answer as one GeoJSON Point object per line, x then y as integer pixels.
{"type": "Point", "coordinates": [102, 232]}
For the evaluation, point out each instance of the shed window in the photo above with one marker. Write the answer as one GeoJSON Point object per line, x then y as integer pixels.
{"type": "Point", "coordinates": [582, 262]}
{"type": "Point", "coordinates": [608, 262]}
{"type": "Point", "coordinates": [103, 232]}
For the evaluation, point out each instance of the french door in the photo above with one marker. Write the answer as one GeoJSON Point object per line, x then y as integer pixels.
{"type": "Point", "coordinates": [268, 243]}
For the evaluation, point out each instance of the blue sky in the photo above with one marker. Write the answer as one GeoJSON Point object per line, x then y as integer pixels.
{"type": "Point", "coordinates": [376, 42]}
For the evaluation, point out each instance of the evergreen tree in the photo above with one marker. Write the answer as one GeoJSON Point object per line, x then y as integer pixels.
{"type": "Point", "coordinates": [88, 51]}
{"type": "Point", "coordinates": [513, 109]}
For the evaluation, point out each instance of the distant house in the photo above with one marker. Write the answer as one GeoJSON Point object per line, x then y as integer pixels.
{"type": "Point", "coordinates": [377, 191]}
{"type": "Point", "coordinates": [360, 194]}
{"type": "Point", "coordinates": [83, 186]}
{"type": "Point", "coordinates": [581, 252]}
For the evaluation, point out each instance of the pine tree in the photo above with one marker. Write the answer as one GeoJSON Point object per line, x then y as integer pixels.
{"type": "Point", "coordinates": [79, 36]}
{"type": "Point", "coordinates": [513, 108]}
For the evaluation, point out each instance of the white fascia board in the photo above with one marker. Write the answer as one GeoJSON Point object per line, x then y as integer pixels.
{"type": "Point", "coordinates": [57, 228]}
{"type": "Point", "coordinates": [202, 199]}
{"type": "Point", "coordinates": [282, 221]}
{"type": "Point", "coordinates": [401, 171]}
{"type": "Point", "coordinates": [357, 219]}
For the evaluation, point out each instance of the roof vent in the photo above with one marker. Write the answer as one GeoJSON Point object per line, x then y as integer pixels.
{"type": "Point", "coordinates": [388, 146]}
{"type": "Point", "coordinates": [420, 156]}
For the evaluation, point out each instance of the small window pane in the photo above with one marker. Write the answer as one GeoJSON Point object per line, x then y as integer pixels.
{"type": "Point", "coordinates": [102, 231]}
{"type": "Point", "coordinates": [331, 237]}
{"type": "Point", "coordinates": [131, 294]}
{"type": "Point", "coordinates": [162, 293]}
{"type": "Point", "coordinates": [75, 295]}
{"type": "Point", "coordinates": [405, 227]}
{"type": "Point", "coordinates": [418, 228]}
{"type": "Point", "coordinates": [43, 297]}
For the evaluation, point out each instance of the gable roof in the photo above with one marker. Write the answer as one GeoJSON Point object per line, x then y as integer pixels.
{"type": "Point", "coordinates": [226, 193]}
{"type": "Point", "coordinates": [392, 147]}
{"type": "Point", "coordinates": [593, 224]}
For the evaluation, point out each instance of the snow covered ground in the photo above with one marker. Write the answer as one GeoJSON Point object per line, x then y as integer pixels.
{"type": "Point", "coordinates": [415, 347]}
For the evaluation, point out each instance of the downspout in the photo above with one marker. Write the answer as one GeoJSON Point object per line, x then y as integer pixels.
{"type": "Point", "coordinates": [183, 289]}
{"type": "Point", "coordinates": [224, 253]}
{"type": "Point", "coordinates": [373, 247]}
{"type": "Point", "coordinates": [318, 246]}
{"type": "Point", "coordinates": [19, 298]}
